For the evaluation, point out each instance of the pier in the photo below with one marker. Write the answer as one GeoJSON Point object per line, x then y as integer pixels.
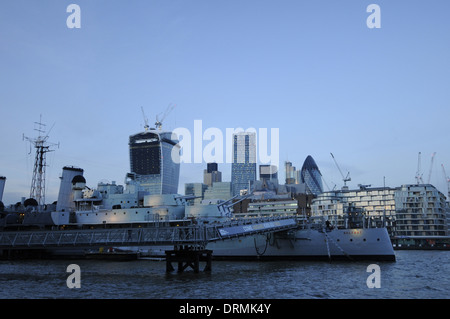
{"type": "Point", "coordinates": [188, 257]}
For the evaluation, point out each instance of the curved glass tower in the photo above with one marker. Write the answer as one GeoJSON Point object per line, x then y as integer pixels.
{"type": "Point", "coordinates": [151, 161]}
{"type": "Point", "coordinates": [311, 176]}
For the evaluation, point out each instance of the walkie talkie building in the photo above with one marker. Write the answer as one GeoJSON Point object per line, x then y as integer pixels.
{"type": "Point", "coordinates": [152, 163]}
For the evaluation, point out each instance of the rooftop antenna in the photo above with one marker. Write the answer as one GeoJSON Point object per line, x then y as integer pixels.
{"type": "Point", "coordinates": [37, 190]}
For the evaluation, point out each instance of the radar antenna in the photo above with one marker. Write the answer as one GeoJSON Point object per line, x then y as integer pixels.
{"type": "Point", "coordinates": [37, 190]}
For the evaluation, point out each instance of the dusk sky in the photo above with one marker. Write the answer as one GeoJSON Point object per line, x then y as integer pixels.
{"type": "Point", "coordinates": [374, 97]}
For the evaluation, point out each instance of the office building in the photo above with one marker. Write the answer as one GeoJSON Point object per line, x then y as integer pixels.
{"type": "Point", "coordinates": [211, 174]}
{"type": "Point", "coordinates": [243, 168]}
{"type": "Point", "coordinates": [152, 163]}
{"type": "Point", "coordinates": [290, 173]}
{"type": "Point", "coordinates": [2, 186]}
{"type": "Point", "coordinates": [311, 176]}
{"type": "Point", "coordinates": [268, 173]}
{"type": "Point", "coordinates": [195, 189]}
{"type": "Point", "coordinates": [219, 191]}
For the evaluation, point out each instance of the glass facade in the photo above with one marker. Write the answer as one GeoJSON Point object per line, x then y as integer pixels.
{"type": "Point", "coordinates": [218, 190]}
{"type": "Point", "coordinates": [211, 175]}
{"type": "Point", "coordinates": [195, 189]}
{"type": "Point", "coordinates": [268, 172]}
{"type": "Point", "coordinates": [243, 168]}
{"type": "Point", "coordinates": [410, 211]}
{"type": "Point", "coordinates": [420, 211]}
{"type": "Point", "coordinates": [290, 173]}
{"type": "Point", "coordinates": [151, 161]}
{"type": "Point", "coordinates": [377, 205]}
{"type": "Point", "coordinates": [310, 175]}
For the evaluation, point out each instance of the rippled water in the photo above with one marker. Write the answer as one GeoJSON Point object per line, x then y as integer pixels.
{"type": "Point", "coordinates": [416, 274]}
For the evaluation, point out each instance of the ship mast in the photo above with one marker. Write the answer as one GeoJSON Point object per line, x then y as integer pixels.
{"type": "Point", "coordinates": [37, 190]}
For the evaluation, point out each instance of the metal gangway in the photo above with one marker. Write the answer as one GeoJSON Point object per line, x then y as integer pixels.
{"type": "Point", "coordinates": [192, 235]}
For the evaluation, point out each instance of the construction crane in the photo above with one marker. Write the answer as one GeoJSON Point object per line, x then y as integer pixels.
{"type": "Point", "coordinates": [431, 167]}
{"type": "Point", "coordinates": [419, 174]}
{"type": "Point", "coordinates": [158, 123]}
{"type": "Point", "coordinates": [447, 181]}
{"type": "Point", "coordinates": [346, 178]}
{"type": "Point", "coordinates": [146, 127]}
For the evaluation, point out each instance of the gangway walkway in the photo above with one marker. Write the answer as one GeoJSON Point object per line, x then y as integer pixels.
{"type": "Point", "coordinates": [193, 235]}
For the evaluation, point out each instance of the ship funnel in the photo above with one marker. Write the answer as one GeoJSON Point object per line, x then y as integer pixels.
{"type": "Point", "coordinates": [78, 184]}
{"type": "Point", "coordinates": [65, 196]}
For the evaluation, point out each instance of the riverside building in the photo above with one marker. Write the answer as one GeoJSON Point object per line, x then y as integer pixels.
{"type": "Point", "coordinates": [421, 215]}
{"type": "Point", "coordinates": [414, 214]}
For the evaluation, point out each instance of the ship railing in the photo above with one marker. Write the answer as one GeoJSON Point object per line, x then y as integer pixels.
{"type": "Point", "coordinates": [194, 235]}
{"type": "Point", "coordinates": [102, 237]}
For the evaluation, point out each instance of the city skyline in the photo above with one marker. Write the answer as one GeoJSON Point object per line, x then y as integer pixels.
{"type": "Point", "coordinates": [374, 98]}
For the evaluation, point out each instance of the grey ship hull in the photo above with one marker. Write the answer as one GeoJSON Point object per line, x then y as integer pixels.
{"type": "Point", "coordinates": [349, 244]}
{"type": "Point", "coordinates": [308, 244]}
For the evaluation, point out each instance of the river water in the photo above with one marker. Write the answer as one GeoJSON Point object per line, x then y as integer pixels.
{"type": "Point", "coordinates": [415, 274]}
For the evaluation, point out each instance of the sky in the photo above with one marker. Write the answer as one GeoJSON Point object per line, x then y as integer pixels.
{"type": "Point", "coordinates": [314, 70]}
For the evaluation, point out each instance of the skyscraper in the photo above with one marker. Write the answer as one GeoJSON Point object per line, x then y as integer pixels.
{"type": "Point", "coordinates": [211, 174]}
{"type": "Point", "coordinates": [268, 172]}
{"type": "Point", "coordinates": [151, 161]}
{"type": "Point", "coordinates": [311, 176]}
{"type": "Point", "coordinates": [289, 171]}
{"type": "Point", "coordinates": [2, 186]}
{"type": "Point", "coordinates": [243, 168]}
